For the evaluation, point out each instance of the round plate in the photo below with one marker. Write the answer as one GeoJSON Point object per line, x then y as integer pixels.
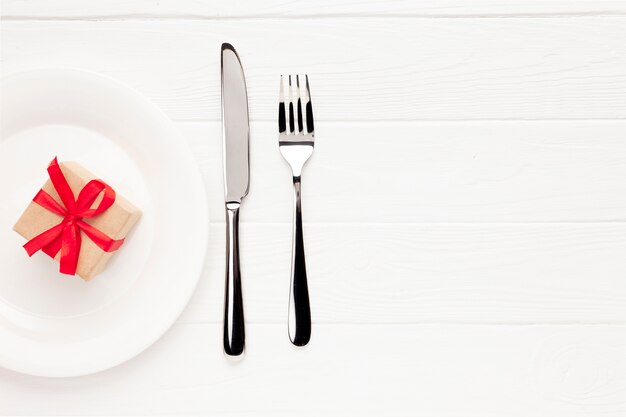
{"type": "Point", "coordinates": [59, 325]}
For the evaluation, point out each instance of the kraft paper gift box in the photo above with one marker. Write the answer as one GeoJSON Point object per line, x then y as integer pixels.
{"type": "Point", "coordinates": [115, 222]}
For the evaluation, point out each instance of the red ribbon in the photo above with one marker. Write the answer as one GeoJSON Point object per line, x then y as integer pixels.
{"type": "Point", "coordinates": [65, 236]}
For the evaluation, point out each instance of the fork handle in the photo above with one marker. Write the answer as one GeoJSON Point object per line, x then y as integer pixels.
{"type": "Point", "coordinates": [299, 306]}
{"type": "Point", "coordinates": [234, 330]}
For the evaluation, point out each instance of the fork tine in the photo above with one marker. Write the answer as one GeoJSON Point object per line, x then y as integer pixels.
{"type": "Point", "coordinates": [305, 101]}
{"type": "Point", "coordinates": [291, 115]}
{"type": "Point", "coordinates": [282, 122]}
{"type": "Point", "coordinates": [309, 108]}
{"type": "Point", "coordinates": [299, 105]}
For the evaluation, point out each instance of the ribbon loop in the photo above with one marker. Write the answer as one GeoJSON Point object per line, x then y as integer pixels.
{"type": "Point", "coordinates": [66, 236]}
{"type": "Point", "coordinates": [89, 194]}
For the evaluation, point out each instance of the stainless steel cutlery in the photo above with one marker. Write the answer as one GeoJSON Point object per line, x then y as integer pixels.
{"type": "Point", "coordinates": [296, 138]}
{"type": "Point", "coordinates": [235, 135]}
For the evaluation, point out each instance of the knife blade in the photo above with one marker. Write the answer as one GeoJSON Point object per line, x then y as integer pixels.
{"type": "Point", "coordinates": [235, 135]}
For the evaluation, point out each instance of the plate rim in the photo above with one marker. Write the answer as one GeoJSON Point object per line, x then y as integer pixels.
{"type": "Point", "coordinates": [195, 178]}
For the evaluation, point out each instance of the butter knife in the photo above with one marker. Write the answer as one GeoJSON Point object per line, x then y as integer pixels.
{"type": "Point", "coordinates": [235, 135]}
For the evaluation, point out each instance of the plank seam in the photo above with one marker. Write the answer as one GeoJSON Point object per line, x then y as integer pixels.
{"type": "Point", "coordinates": [620, 222]}
{"type": "Point", "coordinates": [617, 323]}
{"type": "Point", "coordinates": [430, 121]}
{"type": "Point", "coordinates": [401, 120]}
{"type": "Point", "coordinates": [321, 16]}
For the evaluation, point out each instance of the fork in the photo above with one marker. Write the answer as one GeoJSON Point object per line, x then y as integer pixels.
{"type": "Point", "coordinates": [296, 140]}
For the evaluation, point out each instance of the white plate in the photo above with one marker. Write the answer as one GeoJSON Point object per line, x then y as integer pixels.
{"type": "Point", "coordinates": [58, 325]}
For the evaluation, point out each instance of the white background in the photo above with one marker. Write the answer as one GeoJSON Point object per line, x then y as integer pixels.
{"type": "Point", "coordinates": [465, 207]}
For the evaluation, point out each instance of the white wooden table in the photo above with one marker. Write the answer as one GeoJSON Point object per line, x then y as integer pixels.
{"type": "Point", "coordinates": [465, 207]}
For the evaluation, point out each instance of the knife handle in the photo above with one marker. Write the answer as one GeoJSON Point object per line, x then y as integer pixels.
{"type": "Point", "coordinates": [299, 306]}
{"type": "Point", "coordinates": [234, 330]}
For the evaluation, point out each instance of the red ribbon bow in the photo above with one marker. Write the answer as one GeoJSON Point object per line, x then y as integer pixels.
{"type": "Point", "coordinates": [65, 236]}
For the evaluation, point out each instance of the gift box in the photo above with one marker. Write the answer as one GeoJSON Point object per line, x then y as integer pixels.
{"type": "Point", "coordinates": [76, 219]}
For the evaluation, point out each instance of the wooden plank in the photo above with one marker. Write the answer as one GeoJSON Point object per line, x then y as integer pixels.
{"type": "Point", "coordinates": [194, 9]}
{"type": "Point", "coordinates": [473, 371]}
{"type": "Point", "coordinates": [360, 69]}
{"type": "Point", "coordinates": [431, 172]}
{"type": "Point", "coordinates": [427, 273]}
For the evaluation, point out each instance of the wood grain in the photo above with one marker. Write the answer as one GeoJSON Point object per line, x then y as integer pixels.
{"type": "Point", "coordinates": [437, 371]}
{"type": "Point", "coordinates": [465, 227]}
{"type": "Point", "coordinates": [194, 9]}
{"type": "Point", "coordinates": [427, 273]}
{"type": "Point", "coordinates": [431, 172]}
{"type": "Point", "coordinates": [360, 69]}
